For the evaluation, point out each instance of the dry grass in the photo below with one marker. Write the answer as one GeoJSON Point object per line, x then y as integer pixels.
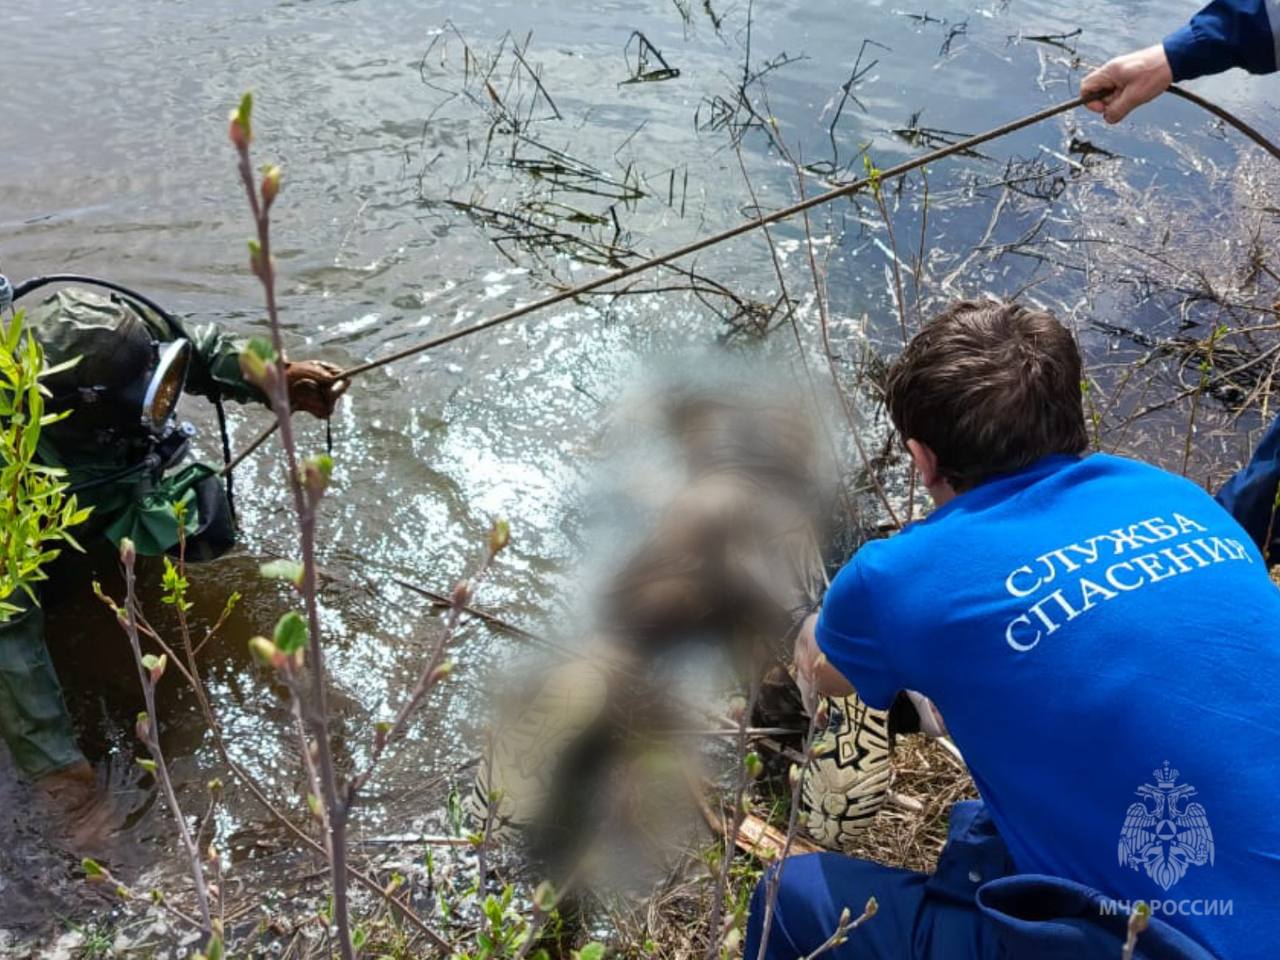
{"type": "Point", "coordinates": [672, 921]}
{"type": "Point", "coordinates": [927, 774]}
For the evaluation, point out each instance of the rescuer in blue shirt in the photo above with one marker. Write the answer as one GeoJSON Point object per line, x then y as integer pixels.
{"type": "Point", "coordinates": [1098, 636]}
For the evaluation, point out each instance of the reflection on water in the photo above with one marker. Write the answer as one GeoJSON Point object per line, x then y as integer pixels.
{"type": "Point", "coordinates": [114, 162]}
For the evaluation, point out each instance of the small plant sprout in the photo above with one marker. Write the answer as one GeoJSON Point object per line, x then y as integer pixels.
{"type": "Point", "coordinates": [270, 185]}
{"type": "Point", "coordinates": [1139, 920]}
{"type": "Point", "coordinates": [499, 537]}
{"type": "Point", "coordinates": [287, 570]}
{"type": "Point", "coordinates": [262, 363]}
{"type": "Point", "coordinates": [844, 927]}
{"type": "Point", "coordinates": [95, 873]}
{"type": "Point", "coordinates": [151, 669]}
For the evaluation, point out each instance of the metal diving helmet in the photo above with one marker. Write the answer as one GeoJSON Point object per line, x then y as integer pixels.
{"type": "Point", "coordinates": [125, 386]}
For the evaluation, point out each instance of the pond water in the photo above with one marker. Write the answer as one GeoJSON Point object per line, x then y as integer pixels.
{"type": "Point", "coordinates": [395, 224]}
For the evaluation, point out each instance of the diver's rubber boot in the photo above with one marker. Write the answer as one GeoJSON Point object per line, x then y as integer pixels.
{"type": "Point", "coordinates": [33, 717]}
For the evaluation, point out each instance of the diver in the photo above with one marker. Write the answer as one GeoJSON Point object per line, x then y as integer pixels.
{"type": "Point", "coordinates": [126, 456]}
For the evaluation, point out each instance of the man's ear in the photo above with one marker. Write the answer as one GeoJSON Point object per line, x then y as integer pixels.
{"type": "Point", "coordinates": [926, 462]}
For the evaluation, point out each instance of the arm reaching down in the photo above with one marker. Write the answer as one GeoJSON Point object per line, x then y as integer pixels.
{"type": "Point", "coordinates": [1225, 34]}
{"type": "Point", "coordinates": [314, 386]}
{"type": "Point", "coordinates": [815, 674]}
{"type": "Point", "coordinates": [817, 677]}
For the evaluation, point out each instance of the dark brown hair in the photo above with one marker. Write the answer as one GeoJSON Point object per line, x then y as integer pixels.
{"type": "Point", "coordinates": [990, 387]}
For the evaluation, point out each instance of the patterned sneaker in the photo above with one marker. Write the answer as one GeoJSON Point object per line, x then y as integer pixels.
{"type": "Point", "coordinates": [847, 784]}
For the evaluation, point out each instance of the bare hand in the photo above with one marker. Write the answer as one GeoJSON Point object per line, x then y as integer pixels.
{"type": "Point", "coordinates": [314, 386]}
{"type": "Point", "coordinates": [815, 676]}
{"type": "Point", "coordinates": [1127, 82]}
{"type": "Point", "coordinates": [805, 661]}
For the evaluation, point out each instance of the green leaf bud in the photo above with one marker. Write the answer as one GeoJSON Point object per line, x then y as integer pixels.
{"type": "Point", "coordinates": [270, 184]}
{"type": "Point", "coordinates": [499, 537]}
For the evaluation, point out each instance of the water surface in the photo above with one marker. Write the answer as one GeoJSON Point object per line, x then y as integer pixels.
{"type": "Point", "coordinates": [114, 161]}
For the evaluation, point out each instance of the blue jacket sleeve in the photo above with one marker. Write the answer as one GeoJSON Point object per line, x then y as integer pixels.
{"type": "Point", "coordinates": [1226, 34]}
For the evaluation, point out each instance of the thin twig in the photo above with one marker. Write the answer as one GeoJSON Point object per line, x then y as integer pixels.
{"type": "Point", "coordinates": [773, 879]}
{"type": "Point", "coordinates": [731, 834]}
{"type": "Point", "coordinates": [149, 733]}
{"type": "Point", "coordinates": [305, 503]}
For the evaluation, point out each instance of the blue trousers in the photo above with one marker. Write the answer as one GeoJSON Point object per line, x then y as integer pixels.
{"type": "Point", "coordinates": [973, 908]}
{"type": "Point", "coordinates": [1252, 494]}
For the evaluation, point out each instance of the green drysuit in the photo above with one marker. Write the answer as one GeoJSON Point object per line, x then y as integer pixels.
{"type": "Point", "coordinates": [110, 335]}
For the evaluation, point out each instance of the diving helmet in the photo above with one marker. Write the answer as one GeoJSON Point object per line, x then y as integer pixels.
{"type": "Point", "coordinates": [124, 388]}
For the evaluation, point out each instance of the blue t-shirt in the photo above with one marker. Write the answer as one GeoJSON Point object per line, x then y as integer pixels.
{"type": "Point", "coordinates": [1079, 624]}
